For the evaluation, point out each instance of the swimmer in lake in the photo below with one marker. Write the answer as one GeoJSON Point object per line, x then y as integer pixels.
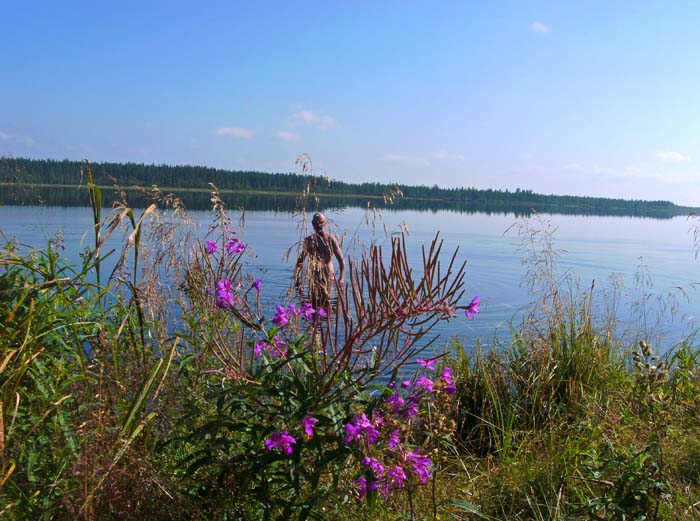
{"type": "Point", "coordinates": [319, 248]}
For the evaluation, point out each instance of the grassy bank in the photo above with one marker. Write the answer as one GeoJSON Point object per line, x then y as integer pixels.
{"type": "Point", "coordinates": [160, 391]}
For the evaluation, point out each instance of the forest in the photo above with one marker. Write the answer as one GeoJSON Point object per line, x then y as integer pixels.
{"type": "Point", "coordinates": [22, 172]}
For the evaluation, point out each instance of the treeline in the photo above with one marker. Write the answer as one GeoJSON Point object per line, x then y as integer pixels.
{"type": "Point", "coordinates": [47, 171]}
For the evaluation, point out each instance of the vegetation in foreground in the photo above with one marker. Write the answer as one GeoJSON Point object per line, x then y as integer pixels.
{"type": "Point", "coordinates": [159, 391]}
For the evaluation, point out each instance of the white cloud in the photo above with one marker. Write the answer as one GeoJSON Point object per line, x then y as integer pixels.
{"type": "Point", "coordinates": [234, 132]}
{"type": "Point", "coordinates": [539, 27]}
{"type": "Point", "coordinates": [312, 119]}
{"type": "Point", "coordinates": [672, 156]}
{"type": "Point", "coordinates": [394, 158]}
{"type": "Point", "coordinates": [444, 155]}
{"type": "Point", "coordinates": [4, 136]}
{"type": "Point", "coordinates": [397, 158]}
{"type": "Point", "coordinates": [289, 137]}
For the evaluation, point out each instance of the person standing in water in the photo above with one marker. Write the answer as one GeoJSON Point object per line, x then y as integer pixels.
{"type": "Point", "coordinates": [319, 248]}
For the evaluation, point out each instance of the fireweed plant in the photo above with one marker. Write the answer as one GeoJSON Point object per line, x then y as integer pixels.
{"type": "Point", "coordinates": [311, 404]}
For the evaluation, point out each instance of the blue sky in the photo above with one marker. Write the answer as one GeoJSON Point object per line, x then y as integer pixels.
{"type": "Point", "coordinates": [583, 98]}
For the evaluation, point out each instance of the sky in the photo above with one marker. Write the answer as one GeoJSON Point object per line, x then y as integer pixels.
{"type": "Point", "coordinates": [592, 98]}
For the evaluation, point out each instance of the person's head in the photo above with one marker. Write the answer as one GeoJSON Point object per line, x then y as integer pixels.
{"type": "Point", "coordinates": [318, 221]}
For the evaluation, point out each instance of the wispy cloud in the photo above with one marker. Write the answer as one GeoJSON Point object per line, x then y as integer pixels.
{"type": "Point", "coordinates": [397, 158]}
{"type": "Point", "coordinates": [15, 139]}
{"type": "Point", "coordinates": [444, 155]}
{"type": "Point", "coordinates": [312, 119]}
{"type": "Point", "coordinates": [539, 27]}
{"type": "Point", "coordinates": [234, 132]}
{"type": "Point", "coordinates": [289, 137]}
{"type": "Point", "coordinates": [672, 156]}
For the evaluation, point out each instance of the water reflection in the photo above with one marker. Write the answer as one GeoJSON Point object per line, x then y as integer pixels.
{"type": "Point", "coordinates": [28, 195]}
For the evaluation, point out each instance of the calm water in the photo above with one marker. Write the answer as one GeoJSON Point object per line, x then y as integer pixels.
{"type": "Point", "coordinates": [593, 248]}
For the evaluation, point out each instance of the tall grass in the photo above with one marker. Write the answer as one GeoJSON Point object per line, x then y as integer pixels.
{"type": "Point", "coordinates": [567, 421]}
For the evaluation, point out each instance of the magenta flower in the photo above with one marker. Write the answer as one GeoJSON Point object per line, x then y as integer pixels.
{"type": "Point", "coordinates": [450, 389]}
{"type": "Point", "coordinates": [281, 441]}
{"type": "Point", "coordinates": [257, 284]}
{"type": "Point", "coordinates": [412, 410]}
{"type": "Point", "coordinates": [308, 424]}
{"type": "Point", "coordinates": [224, 294]}
{"type": "Point", "coordinates": [352, 432]}
{"type": "Point", "coordinates": [425, 383]}
{"type": "Point", "coordinates": [394, 439]}
{"type": "Point", "coordinates": [429, 365]}
{"type": "Point", "coordinates": [277, 348]}
{"type": "Point", "coordinates": [420, 464]}
{"type": "Point", "coordinates": [280, 319]}
{"type": "Point", "coordinates": [362, 487]}
{"type": "Point", "coordinates": [234, 246]}
{"type": "Point", "coordinates": [259, 347]}
{"type": "Point", "coordinates": [447, 376]}
{"type": "Point", "coordinates": [395, 402]}
{"type": "Point", "coordinates": [211, 247]}
{"type": "Point", "coordinates": [374, 465]}
{"type": "Point", "coordinates": [321, 313]}
{"type": "Point", "coordinates": [361, 426]}
{"type": "Point", "coordinates": [473, 308]}
{"type": "Point", "coordinates": [394, 478]}
{"type": "Point", "coordinates": [307, 312]}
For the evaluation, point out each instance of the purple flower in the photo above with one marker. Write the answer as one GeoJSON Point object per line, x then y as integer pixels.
{"type": "Point", "coordinates": [308, 423]}
{"type": "Point", "coordinates": [281, 441]}
{"type": "Point", "coordinates": [394, 439]}
{"type": "Point", "coordinates": [450, 389]}
{"type": "Point", "coordinates": [234, 246]}
{"type": "Point", "coordinates": [321, 313]}
{"type": "Point", "coordinates": [361, 426]}
{"type": "Point", "coordinates": [447, 376]}
{"type": "Point", "coordinates": [374, 465]}
{"type": "Point", "coordinates": [395, 402]}
{"type": "Point", "coordinates": [212, 246]}
{"type": "Point", "coordinates": [224, 294]}
{"type": "Point", "coordinates": [425, 383]}
{"type": "Point", "coordinates": [362, 487]}
{"type": "Point", "coordinates": [420, 464]}
{"type": "Point", "coordinates": [307, 312]}
{"type": "Point", "coordinates": [280, 319]}
{"type": "Point", "coordinates": [394, 478]}
{"type": "Point", "coordinates": [406, 384]}
{"type": "Point", "coordinates": [412, 410]}
{"type": "Point", "coordinates": [352, 432]}
{"type": "Point", "coordinates": [259, 347]}
{"type": "Point", "coordinates": [429, 365]}
{"type": "Point", "coordinates": [277, 348]}
{"type": "Point", "coordinates": [473, 308]}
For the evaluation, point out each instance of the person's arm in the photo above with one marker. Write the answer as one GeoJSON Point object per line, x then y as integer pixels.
{"type": "Point", "coordinates": [341, 260]}
{"type": "Point", "coordinates": [299, 265]}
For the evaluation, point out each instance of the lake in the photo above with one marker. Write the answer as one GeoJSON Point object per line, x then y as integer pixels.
{"type": "Point", "coordinates": [593, 248]}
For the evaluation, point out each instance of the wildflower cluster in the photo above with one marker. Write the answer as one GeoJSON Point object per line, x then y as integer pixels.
{"type": "Point", "coordinates": [306, 312]}
{"type": "Point", "coordinates": [388, 462]}
{"type": "Point", "coordinates": [283, 441]}
{"type": "Point", "coordinates": [224, 294]}
{"type": "Point", "coordinates": [234, 246]}
{"type": "Point", "coordinates": [274, 347]}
